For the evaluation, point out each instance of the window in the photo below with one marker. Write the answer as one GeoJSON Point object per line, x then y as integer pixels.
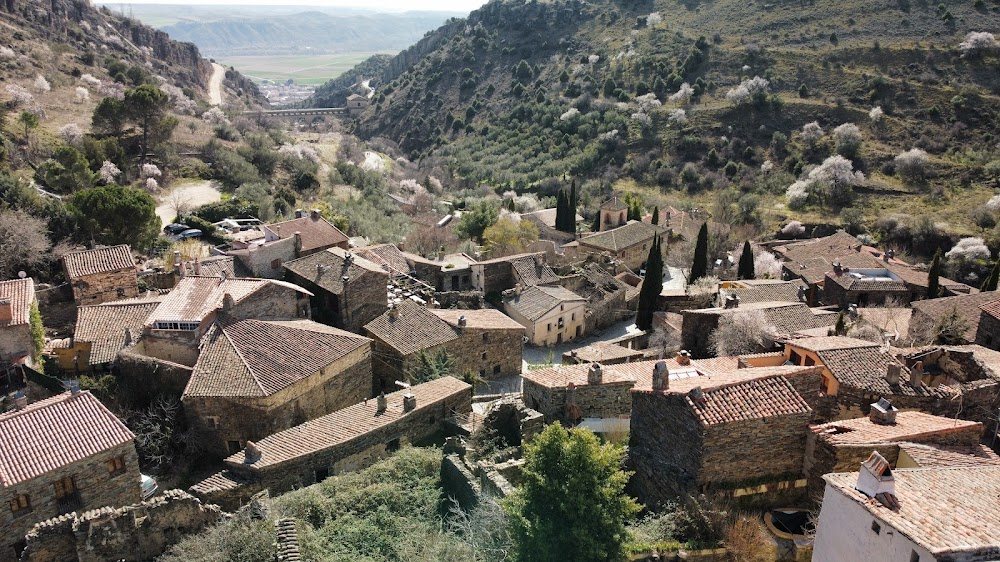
{"type": "Point", "coordinates": [484, 356]}
{"type": "Point", "coordinates": [212, 421]}
{"type": "Point", "coordinates": [794, 358]}
{"type": "Point", "coordinates": [486, 338]}
{"type": "Point", "coordinates": [496, 369]}
{"type": "Point", "coordinates": [19, 547]}
{"type": "Point", "coordinates": [65, 487]}
{"type": "Point", "coordinates": [549, 326]}
{"type": "Point", "coordinates": [876, 527]}
{"type": "Point", "coordinates": [573, 316]}
{"type": "Point", "coordinates": [561, 307]}
{"type": "Point", "coordinates": [21, 505]}
{"type": "Point", "coordinates": [809, 361]}
{"type": "Point", "coordinates": [914, 557]}
{"type": "Point", "coordinates": [275, 264]}
{"type": "Point", "coordinates": [187, 326]}
{"type": "Point", "coordinates": [116, 466]}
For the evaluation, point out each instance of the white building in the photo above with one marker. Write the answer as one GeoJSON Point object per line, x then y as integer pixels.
{"type": "Point", "coordinates": [917, 515]}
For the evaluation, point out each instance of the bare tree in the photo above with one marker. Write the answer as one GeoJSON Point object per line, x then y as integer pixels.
{"type": "Point", "coordinates": [179, 202]}
{"type": "Point", "coordinates": [484, 528]}
{"type": "Point", "coordinates": [24, 242]}
{"type": "Point", "coordinates": [747, 540]}
{"type": "Point", "coordinates": [742, 333]}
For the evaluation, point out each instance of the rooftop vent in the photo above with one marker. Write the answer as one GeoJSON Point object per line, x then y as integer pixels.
{"type": "Point", "coordinates": [299, 213]}
{"type": "Point", "coordinates": [393, 312]}
{"type": "Point", "coordinates": [697, 395]}
{"type": "Point", "coordinates": [20, 400]}
{"type": "Point", "coordinates": [409, 402]}
{"type": "Point", "coordinates": [732, 301]}
{"type": "Point", "coordinates": [802, 293]}
{"type": "Point", "coordinates": [348, 258]}
{"type": "Point", "coordinates": [315, 214]}
{"type": "Point", "coordinates": [251, 453]}
{"type": "Point", "coordinates": [661, 376]}
{"type": "Point", "coordinates": [462, 321]}
{"type": "Point", "coordinates": [595, 374]}
{"type": "Point", "coordinates": [380, 403]}
{"type": "Point", "coordinates": [683, 357]}
{"type": "Point", "coordinates": [892, 372]}
{"type": "Point", "coordinates": [228, 302]}
{"type": "Point", "coordinates": [875, 480]}
{"type": "Point", "coordinates": [837, 269]}
{"type": "Point", "coordinates": [883, 412]}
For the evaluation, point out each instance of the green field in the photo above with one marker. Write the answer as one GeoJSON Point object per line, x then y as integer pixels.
{"type": "Point", "coordinates": [304, 69]}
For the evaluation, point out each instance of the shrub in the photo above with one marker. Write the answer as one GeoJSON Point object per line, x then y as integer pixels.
{"type": "Point", "coordinates": [793, 229]}
{"type": "Point", "coordinates": [847, 139]}
{"type": "Point", "coordinates": [977, 43]}
{"type": "Point", "coordinates": [811, 133]}
{"type": "Point", "coordinates": [684, 94]}
{"type": "Point", "coordinates": [876, 114]}
{"type": "Point", "coordinates": [742, 333]}
{"type": "Point", "coordinates": [971, 248]}
{"type": "Point", "coordinates": [41, 84]}
{"type": "Point", "coordinates": [911, 165]}
{"type": "Point", "coordinates": [753, 90]}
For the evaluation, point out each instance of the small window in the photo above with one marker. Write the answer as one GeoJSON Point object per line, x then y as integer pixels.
{"type": "Point", "coordinates": [275, 264]}
{"type": "Point", "coordinates": [20, 505]}
{"type": "Point", "coordinates": [65, 487]}
{"type": "Point", "coordinates": [549, 326]}
{"type": "Point", "coordinates": [914, 557]}
{"type": "Point", "coordinates": [876, 527]}
{"type": "Point", "coordinates": [116, 466]}
{"type": "Point", "coordinates": [484, 356]}
{"type": "Point", "coordinates": [496, 369]}
{"type": "Point", "coordinates": [561, 307]}
{"type": "Point", "coordinates": [486, 338]}
{"type": "Point", "coordinates": [810, 361]}
{"type": "Point", "coordinates": [573, 316]}
{"type": "Point", "coordinates": [212, 421]}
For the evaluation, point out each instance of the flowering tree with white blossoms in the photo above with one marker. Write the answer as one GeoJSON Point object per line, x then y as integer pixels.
{"type": "Point", "coordinates": [993, 204]}
{"type": "Point", "coordinates": [811, 133]}
{"type": "Point", "coordinates": [911, 165]}
{"type": "Point", "coordinates": [109, 172]}
{"type": "Point", "coordinates": [648, 102]}
{"type": "Point", "coordinates": [678, 117]}
{"type": "Point", "coordinates": [847, 140]}
{"type": "Point", "coordinates": [969, 249]}
{"type": "Point", "coordinates": [152, 184]}
{"type": "Point", "coordinates": [794, 229]}
{"type": "Point", "coordinates": [41, 84]}
{"type": "Point", "coordinates": [977, 43]}
{"type": "Point", "coordinates": [683, 95]}
{"type": "Point", "coordinates": [82, 94]}
{"type": "Point", "coordinates": [70, 133]}
{"type": "Point", "coordinates": [570, 114]}
{"type": "Point", "coordinates": [150, 171]}
{"type": "Point", "coordinates": [19, 97]}
{"type": "Point", "coordinates": [752, 90]}
{"type": "Point", "coordinates": [876, 114]}
{"type": "Point", "coordinates": [835, 179]}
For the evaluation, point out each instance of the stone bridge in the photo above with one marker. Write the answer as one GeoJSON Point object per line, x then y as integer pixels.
{"type": "Point", "coordinates": [305, 112]}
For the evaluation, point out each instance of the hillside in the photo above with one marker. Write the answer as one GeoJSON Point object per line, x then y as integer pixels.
{"type": "Point", "coordinates": [308, 32]}
{"type": "Point", "coordinates": [589, 89]}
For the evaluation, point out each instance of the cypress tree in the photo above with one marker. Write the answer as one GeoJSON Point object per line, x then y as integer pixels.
{"type": "Point", "coordinates": [934, 276]}
{"type": "Point", "coordinates": [745, 268]}
{"type": "Point", "coordinates": [993, 279]}
{"type": "Point", "coordinates": [565, 215]}
{"type": "Point", "coordinates": [656, 215]}
{"type": "Point", "coordinates": [652, 284]}
{"type": "Point", "coordinates": [560, 209]}
{"type": "Point", "coordinates": [699, 268]}
{"type": "Point", "coordinates": [596, 227]}
{"type": "Point", "coordinates": [572, 200]}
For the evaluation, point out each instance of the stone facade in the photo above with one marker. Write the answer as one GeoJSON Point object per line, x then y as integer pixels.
{"type": "Point", "coordinates": [140, 375]}
{"type": "Point", "coordinates": [871, 294]}
{"type": "Point", "coordinates": [608, 400]}
{"type": "Point", "coordinates": [140, 531]}
{"type": "Point", "coordinates": [346, 304]}
{"type": "Point", "coordinates": [95, 487]}
{"type": "Point", "coordinates": [266, 260]}
{"type": "Point", "coordinates": [105, 286]}
{"type": "Point", "coordinates": [988, 332]}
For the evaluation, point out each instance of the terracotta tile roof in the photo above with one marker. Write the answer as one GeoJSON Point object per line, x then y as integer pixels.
{"type": "Point", "coordinates": [600, 285]}
{"type": "Point", "coordinates": [758, 398]}
{"type": "Point", "coordinates": [931, 455]}
{"type": "Point", "coordinates": [919, 278]}
{"type": "Point", "coordinates": [535, 302]}
{"type": "Point", "coordinates": [945, 510]}
{"type": "Point", "coordinates": [785, 291]}
{"type": "Point", "coordinates": [909, 426]}
{"type": "Point", "coordinates": [786, 317]}
{"type": "Point", "coordinates": [104, 326]}
{"type": "Point", "coordinates": [260, 358]}
{"type": "Point", "coordinates": [100, 260]}
{"type": "Point", "coordinates": [627, 236]}
{"type": "Point", "coordinates": [546, 217]}
{"type": "Point", "coordinates": [601, 351]}
{"type": "Point", "coordinates": [992, 308]}
{"type": "Point", "coordinates": [387, 256]}
{"type": "Point", "coordinates": [218, 482]}
{"type": "Point", "coordinates": [532, 270]}
{"type": "Point", "coordinates": [218, 265]}
{"type": "Point", "coordinates": [194, 298]}
{"type": "Point", "coordinates": [865, 368]}
{"type": "Point", "coordinates": [827, 343]}
{"type": "Point", "coordinates": [56, 432]}
{"type": "Point", "coordinates": [614, 203]}
{"type": "Point", "coordinates": [413, 329]}
{"type": "Point", "coordinates": [348, 424]}
{"type": "Point", "coordinates": [327, 268]}
{"type": "Point", "coordinates": [20, 293]}
{"type": "Point", "coordinates": [317, 233]}
{"type": "Point", "coordinates": [966, 306]}
{"type": "Point", "coordinates": [486, 318]}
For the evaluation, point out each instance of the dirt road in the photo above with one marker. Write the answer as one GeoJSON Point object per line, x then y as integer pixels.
{"type": "Point", "coordinates": [186, 195]}
{"type": "Point", "coordinates": [215, 84]}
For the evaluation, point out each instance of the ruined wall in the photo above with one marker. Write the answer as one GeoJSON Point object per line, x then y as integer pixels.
{"type": "Point", "coordinates": [143, 376]}
{"type": "Point", "coordinates": [610, 400]}
{"type": "Point", "coordinates": [140, 531]}
{"type": "Point", "coordinates": [272, 302]}
{"type": "Point", "coordinates": [266, 260]}
{"type": "Point", "coordinates": [16, 341]}
{"type": "Point", "coordinates": [365, 298]}
{"type": "Point", "coordinates": [696, 331]}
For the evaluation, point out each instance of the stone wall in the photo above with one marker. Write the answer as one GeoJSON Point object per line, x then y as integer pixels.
{"type": "Point", "coordinates": [988, 334]}
{"type": "Point", "coordinates": [266, 260]}
{"type": "Point", "coordinates": [836, 295]}
{"type": "Point", "coordinates": [696, 331]}
{"type": "Point", "coordinates": [105, 287]}
{"type": "Point", "coordinates": [95, 487]}
{"type": "Point", "coordinates": [493, 353]}
{"type": "Point", "coordinates": [272, 301]}
{"type": "Point", "coordinates": [141, 376]}
{"type": "Point", "coordinates": [735, 452]}
{"type": "Point", "coordinates": [493, 277]}
{"type": "Point", "coordinates": [466, 300]}
{"type": "Point", "coordinates": [15, 341]}
{"type": "Point", "coordinates": [610, 400]}
{"type": "Point", "coordinates": [664, 449]}
{"type": "Point", "coordinates": [175, 346]}
{"type": "Point", "coordinates": [140, 531]}
{"type": "Point", "coordinates": [364, 299]}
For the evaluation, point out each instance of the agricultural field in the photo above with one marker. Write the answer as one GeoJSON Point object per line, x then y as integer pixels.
{"type": "Point", "coordinates": [306, 70]}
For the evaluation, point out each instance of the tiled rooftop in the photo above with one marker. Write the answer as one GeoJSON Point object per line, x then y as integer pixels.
{"type": "Point", "coordinates": [866, 368]}
{"type": "Point", "coordinates": [546, 217]}
{"type": "Point", "coordinates": [413, 329]}
{"type": "Point", "coordinates": [316, 232]}
{"type": "Point", "coordinates": [534, 302]}
{"type": "Point", "coordinates": [945, 510]}
{"type": "Point", "coordinates": [966, 306]}
{"type": "Point", "coordinates": [260, 358]}
{"type": "Point", "coordinates": [786, 317]}
{"type": "Point", "coordinates": [601, 351]}
{"type": "Point", "coordinates": [784, 291]}
{"type": "Point", "coordinates": [617, 239]}
{"type": "Point", "coordinates": [851, 283]}
{"type": "Point", "coordinates": [100, 260]}
{"type": "Point", "coordinates": [929, 455]}
{"type": "Point", "coordinates": [349, 423]}
{"type": "Point", "coordinates": [55, 432]}
{"type": "Point", "coordinates": [532, 270]}
{"type": "Point", "coordinates": [756, 398]}
{"type": "Point", "coordinates": [484, 319]}
{"type": "Point", "coordinates": [327, 268]}
{"type": "Point", "coordinates": [104, 326]}
{"type": "Point", "coordinates": [194, 298]}
{"type": "Point", "coordinates": [827, 343]}
{"type": "Point", "coordinates": [387, 256]}
{"type": "Point", "coordinates": [909, 426]}
{"type": "Point", "coordinates": [20, 293]}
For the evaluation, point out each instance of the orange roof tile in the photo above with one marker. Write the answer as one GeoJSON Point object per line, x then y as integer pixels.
{"type": "Point", "coordinates": [99, 260]}
{"type": "Point", "coordinates": [20, 293]}
{"type": "Point", "coordinates": [317, 233]}
{"type": "Point", "coordinates": [484, 319]}
{"type": "Point", "coordinates": [909, 426]}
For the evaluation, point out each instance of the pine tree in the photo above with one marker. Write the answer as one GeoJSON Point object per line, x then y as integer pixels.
{"type": "Point", "coordinates": [652, 285]}
{"type": "Point", "coordinates": [745, 268]}
{"type": "Point", "coordinates": [934, 276]}
{"type": "Point", "coordinates": [699, 268]}
{"type": "Point", "coordinates": [993, 279]}
{"type": "Point", "coordinates": [656, 215]}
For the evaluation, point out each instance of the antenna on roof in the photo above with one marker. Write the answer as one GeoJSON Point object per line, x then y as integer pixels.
{"type": "Point", "coordinates": [21, 274]}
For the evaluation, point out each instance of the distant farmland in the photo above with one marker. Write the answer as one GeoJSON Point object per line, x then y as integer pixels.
{"type": "Point", "coordinates": [304, 69]}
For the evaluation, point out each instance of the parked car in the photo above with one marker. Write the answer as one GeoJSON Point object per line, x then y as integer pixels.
{"type": "Point", "coordinates": [175, 228]}
{"type": "Point", "coordinates": [148, 485]}
{"type": "Point", "coordinates": [189, 233]}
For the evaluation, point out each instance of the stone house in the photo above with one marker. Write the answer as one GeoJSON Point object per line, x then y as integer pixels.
{"type": "Point", "coordinates": [763, 290]}
{"type": "Point", "coordinates": [349, 291]}
{"type": "Point", "coordinates": [342, 441]}
{"type": "Point", "coordinates": [102, 274]}
{"type": "Point", "coordinates": [606, 304]}
{"type": "Point", "coordinates": [614, 213]}
{"type": "Point", "coordinates": [550, 315]}
{"type": "Point", "coordinates": [785, 318]}
{"type": "Point", "coordinates": [105, 329]}
{"type": "Point", "coordinates": [988, 330]}
{"type": "Point", "coordinates": [257, 377]}
{"type": "Point", "coordinates": [628, 245]}
{"type": "Point", "coordinates": [545, 220]}
{"type": "Point", "coordinates": [17, 297]}
{"type": "Point", "coordinates": [285, 241]}
{"type": "Point", "coordinates": [387, 256]}
{"type": "Point", "coordinates": [59, 455]}
{"type": "Point", "coordinates": [356, 104]}
{"type": "Point", "coordinates": [485, 342]}
{"type": "Point", "coordinates": [493, 277]}
{"type": "Point", "coordinates": [928, 315]}
{"type": "Point", "coordinates": [696, 434]}
{"type": "Point", "coordinates": [452, 272]}
{"type": "Point", "coordinates": [842, 445]}
{"type": "Point", "coordinates": [947, 514]}
{"type": "Point", "coordinates": [863, 287]}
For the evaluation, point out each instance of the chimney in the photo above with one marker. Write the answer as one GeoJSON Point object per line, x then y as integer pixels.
{"type": "Point", "coordinates": [297, 243]}
{"type": "Point", "coordinates": [228, 302]}
{"type": "Point", "coordinates": [393, 312]}
{"type": "Point", "coordinates": [348, 258]}
{"type": "Point", "coordinates": [129, 338]}
{"type": "Point", "coordinates": [892, 371]}
{"type": "Point", "coordinates": [197, 266]}
{"type": "Point", "coordinates": [251, 453]}
{"type": "Point", "coordinates": [6, 311]}
{"type": "Point", "coordinates": [517, 289]}
{"type": "Point", "coordinates": [917, 374]}
{"type": "Point", "coordinates": [661, 376]}
{"type": "Point", "coordinates": [73, 385]}
{"type": "Point", "coordinates": [299, 213]}
{"type": "Point", "coordinates": [462, 321]}
{"type": "Point", "coordinates": [182, 270]}
{"type": "Point", "coordinates": [409, 402]}
{"type": "Point", "coordinates": [315, 214]}
{"type": "Point", "coordinates": [890, 253]}
{"type": "Point", "coordinates": [380, 403]}
{"type": "Point", "coordinates": [595, 374]}
{"type": "Point", "coordinates": [885, 257]}
{"type": "Point", "coordinates": [683, 357]}
{"type": "Point", "coordinates": [883, 413]}
{"type": "Point", "coordinates": [732, 301]}
{"type": "Point", "coordinates": [20, 400]}
{"type": "Point", "coordinates": [852, 310]}
{"type": "Point", "coordinates": [177, 259]}
{"type": "Point", "coordinates": [875, 480]}
{"type": "Point", "coordinates": [837, 270]}
{"type": "Point", "coordinates": [802, 293]}
{"type": "Point", "coordinates": [697, 395]}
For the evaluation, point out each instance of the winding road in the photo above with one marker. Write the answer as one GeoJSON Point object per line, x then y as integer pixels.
{"type": "Point", "coordinates": [215, 84]}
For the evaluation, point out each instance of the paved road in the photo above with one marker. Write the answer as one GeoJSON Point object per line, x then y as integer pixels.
{"type": "Point", "coordinates": [215, 84]}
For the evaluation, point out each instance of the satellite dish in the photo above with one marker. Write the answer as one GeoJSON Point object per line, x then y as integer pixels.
{"type": "Point", "coordinates": [21, 274]}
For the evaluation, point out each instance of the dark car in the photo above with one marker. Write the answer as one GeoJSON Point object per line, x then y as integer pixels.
{"type": "Point", "coordinates": [189, 233]}
{"type": "Point", "coordinates": [175, 228]}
